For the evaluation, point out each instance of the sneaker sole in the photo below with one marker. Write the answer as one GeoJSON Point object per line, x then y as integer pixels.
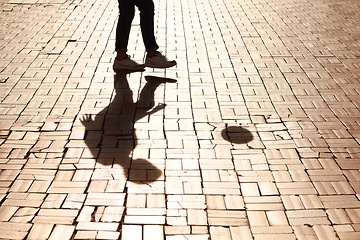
{"type": "Point", "coordinates": [154, 66]}
{"type": "Point", "coordinates": [129, 68]}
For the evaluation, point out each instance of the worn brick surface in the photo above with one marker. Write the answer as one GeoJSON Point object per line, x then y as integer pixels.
{"type": "Point", "coordinates": [253, 135]}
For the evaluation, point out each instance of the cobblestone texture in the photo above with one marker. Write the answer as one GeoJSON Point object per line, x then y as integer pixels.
{"type": "Point", "coordinates": [253, 135]}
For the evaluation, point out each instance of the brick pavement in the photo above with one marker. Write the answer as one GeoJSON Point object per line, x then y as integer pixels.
{"type": "Point", "coordinates": [254, 135]}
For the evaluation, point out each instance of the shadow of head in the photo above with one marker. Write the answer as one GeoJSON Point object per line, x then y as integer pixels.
{"type": "Point", "coordinates": [142, 171]}
{"type": "Point", "coordinates": [237, 134]}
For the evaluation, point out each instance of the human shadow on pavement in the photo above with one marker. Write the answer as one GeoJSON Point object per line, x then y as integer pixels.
{"type": "Point", "coordinates": [116, 122]}
{"type": "Point", "coordinates": [237, 134]}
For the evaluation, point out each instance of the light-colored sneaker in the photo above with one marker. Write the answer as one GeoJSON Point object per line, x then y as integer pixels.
{"type": "Point", "coordinates": [159, 61]}
{"type": "Point", "coordinates": [127, 64]}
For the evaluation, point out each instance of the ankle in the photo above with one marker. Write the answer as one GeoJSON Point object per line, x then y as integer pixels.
{"type": "Point", "coordinates": [151, 53]}
{"type": "Point", "coordinates": [121, 55]}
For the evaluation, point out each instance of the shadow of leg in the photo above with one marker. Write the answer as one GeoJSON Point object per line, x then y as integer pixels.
{"type": "Point", "coordinates": [110, 134]}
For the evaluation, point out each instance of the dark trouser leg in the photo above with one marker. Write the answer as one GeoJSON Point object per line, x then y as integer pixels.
{"type": "Point", "coordinates": [127, 12]}
{"type": "Point", "coordinates": [147, 9]}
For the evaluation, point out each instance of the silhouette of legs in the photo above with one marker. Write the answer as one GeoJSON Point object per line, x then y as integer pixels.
{"type": "Point", "coordinates": [116, 125]}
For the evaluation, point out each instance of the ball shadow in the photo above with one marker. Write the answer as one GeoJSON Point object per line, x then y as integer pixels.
{"type": "Point", "coordinates": [237, 134]}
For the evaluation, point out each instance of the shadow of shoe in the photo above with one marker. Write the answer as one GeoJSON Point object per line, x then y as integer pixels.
{"type": "Point", "coordinates": [159, 80]}
{"type": "Point", "coordinates": [237, 134]}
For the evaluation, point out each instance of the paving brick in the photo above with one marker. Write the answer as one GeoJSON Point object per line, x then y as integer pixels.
{"type": "Point", "coordinates": [348, 235]}
{"type": "Point", "coordinates": [186, 201]}
{"type": "Point", "coordinates": [257, 218]}
{"type": "Point", "coordinates": [24, 200]}
{"type": "Point", "coordinates": [296, 188]}
{"type": "Point", "coordinates": [151, 232]}
{"type": "Point", "coordinates": [145, 216]}
{"type": "Point", "coordinates": [221, 188]}
{"type": "Point", "coordinates": [227, 218]}
{"type": "Point", "coordinates": [311, 217]}
{"type": "Point", "coordinates": [241, 232]}
{"type": "Point", "coordinates": [196, 217]}
{"type": "Point", "coordinates": [40, 230]}
{"type": "Point", "coordinates": [268, 188]}
{"type": "Point", "coordinates": [338, 216]}
{"type": "Point", "coordinates": [97, 226]}
{"type": "Point", "coordinates": [215, 202]}
{"type": "Point", "coordinates": [21, 186]}
{"type": "Point", "coordinates": [353, 215]}
{"type": "Point", "coordinates": [14, 230]}
{"type": "Point", "coordinates": [304, 232]}
{"type": "Point", "coordinates": [336, 201]}
{"type": "Point", "coordinates": [105, 199]}
{"type": "Point", "coordinates": [67, 187]}
{"type": "Point", "coordinates": [220, 232]}
{"type": "Point", "coordinates": [53, 201]}
{"type": "Point", "coordinates": [325, 232]}
{"type": "Point", "coordinates": [234, 202]}
{"type": "Point", "coordinates": [85, 214]}
{"type": "Point", "coordinates": [62, 232]}
{"type": "Point", "coordinates": [276, 218]}
{"type": "Point", "coordinates": [263, 203]}
{"type": "Point", "coordinates": [24, 215]}
{"type": "Point", "coordinates": [7, 212]}
{"type": "Point", "coordinates": [311, 201]}
{"type": "Point", "coordinates": [249, 189]}
{"type": "Point", "coordinates": [255, 176]}
{"type": "Point", "coordinates": [131, 232]}
{"type": "Point", "coordinates": [177, 230]}
{"type": "Point", "coordinates": [86, 234]}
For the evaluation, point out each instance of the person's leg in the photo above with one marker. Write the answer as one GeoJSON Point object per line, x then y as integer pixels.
{"type": "Point", "coordinates": [127, 12]}
{"type": "Point", "coordinates": [122, 60]}
{"type": "Point", "coordinates": [154, 58]}
{"type": "Point", "coordinates": [147, 9]}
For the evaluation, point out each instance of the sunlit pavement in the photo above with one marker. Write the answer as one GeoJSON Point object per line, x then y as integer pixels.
{"type": "Point", "coordinates": [254, 134]}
